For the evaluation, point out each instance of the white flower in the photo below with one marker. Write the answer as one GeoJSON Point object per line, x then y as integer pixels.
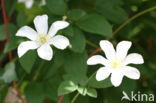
{"type": "Point", "coordinates": [42, 39]}
{"type": "Point", "coordinates": [116, 63]}
{"type": "Point", "coordinates": [28, 3]}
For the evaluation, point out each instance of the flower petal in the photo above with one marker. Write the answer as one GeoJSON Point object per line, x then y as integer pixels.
{"type": "Point", "coordinates": [134, 58]}
{"type": "Point", "coordinates": [45, 52]}
{"type": "Point", "coordinates": [122, 49]}
{"type": "Point", "coordinates": [41, 24]}
{"type": "Point", "coordinates": [60, 42]}
{"type": "Point", "coordinates": [116, 78]}
{"type": "Point", "coordinates": [97, 59]}
{"type": "Point", "coordinates": [29, 3]}
{"type": "Point", "coordinates": [131, 72]}
{"type": "Point", "coordinates": [28, 32]}
{"type": "Point", "coordinates": [102, 74]}
{"type": "Point", "coordinates": [108, 48]}
{"type": "Point", "coordinates": [56, 26]}
{"type": "Point", "coordinates": [25, 46]}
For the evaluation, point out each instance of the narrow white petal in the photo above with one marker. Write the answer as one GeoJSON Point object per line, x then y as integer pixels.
{"type": "Point", "coordinates": [108, 49]}
{"type": "Point", "coordinates": [28, 32]}
{"type": "Point", "coordinates": [56, 26]}
{"type": "Point", "coordinates": [131, 72]}
{"type": "Point", "coordinates": [122, 49]}
{"type": "Point", "coordinates": [25, 46]}
{"type": "Point", "coordinates": [41, 24]}
{"type": "Point", "coordinates": [45, 52]}
{"type": "Point", "coordinates": [97, 59]}
{"type": "Point", "coordinates": [29, 3]}
{"type": "Point", "coordinates": [102, 74]}
{"type": "Point", "coordinates": [60, 42]}
{"type": "Point", "coordinates": [134, 58]}
{"type": "Point", "coordinates": [116, 78]}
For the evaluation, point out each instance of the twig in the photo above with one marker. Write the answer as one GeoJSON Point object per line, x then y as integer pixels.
{"type": "Point", "coordinates": [6, 21]}
{"type": "Point", "coordinates": [60, 99]}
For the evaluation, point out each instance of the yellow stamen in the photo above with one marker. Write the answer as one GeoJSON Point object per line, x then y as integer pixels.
{"type": "Point", "coordinates": [115, 64]}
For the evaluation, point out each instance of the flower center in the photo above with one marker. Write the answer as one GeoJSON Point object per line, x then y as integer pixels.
{"type": "Point", "coordinates": [115, 64]}
{"type": "Point", "coordinates": [43, 38]}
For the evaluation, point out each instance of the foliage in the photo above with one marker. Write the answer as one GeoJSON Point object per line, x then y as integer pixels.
{"type": "Point", "coordinates": [67, 73]}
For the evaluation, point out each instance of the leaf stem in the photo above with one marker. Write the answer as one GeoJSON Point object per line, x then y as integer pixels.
{"type": "Point", "coordinates": [125, 23]}
{"type": "Point", "coordinates": [75, 97]}
{"type": "Point", "coordinates": [132, 18]}
{"type": "Point", "coordinates": [38, 71]}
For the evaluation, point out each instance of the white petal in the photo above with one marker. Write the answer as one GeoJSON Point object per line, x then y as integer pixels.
{"type": "Point", "coordinates": [41, 24]}
{"type": "Point", "coordinates": [45, 52]}
{"type": "Point", "coordinates": [102, 74]}
{"type": "Point", "coordinates": [122, 49]}
{"type": "Point", "coordinates": [116, 78]}
{"type": "Point", "coordinates": [134, 58]}
{"type": "Point", "coordinates": [29, 3]}
{"type": "Point", "coordinates": [28, 32]}
{"type": "Point", "coordinates": [56, 26]}
{"type": "Point", "coordinates": [108, 49]}
{"type": "Point", "coordinates": [60, 42]}
{"type": "Point", "coordinates": [131, 72]}
{"type": "Point", "coordinates": [97, 59]}
{"type": "Point", "coordinates": [25, 46]}
{"type": "Point", "coordinates": [21, 1]}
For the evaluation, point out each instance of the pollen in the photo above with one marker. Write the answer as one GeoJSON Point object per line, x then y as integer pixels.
{"type": "Point", "coordinates": [115, 64]}
{"type": "Point", "coordinates": [43, 39]}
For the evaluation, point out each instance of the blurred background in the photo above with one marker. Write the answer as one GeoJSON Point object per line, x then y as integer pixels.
{"type": "Point", "coordinates": [27, 80]}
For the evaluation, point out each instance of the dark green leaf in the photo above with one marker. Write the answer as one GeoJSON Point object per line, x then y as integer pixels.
{"type": "Point", "coordinates": [97, 24]}
{"type": "Point", "coordinates": [76, 14]}
{"type": "Point", "coordinates": [27, 61]}
{"type": "Point", "coordinates": [100, 84]}
{"type": "Point", "coordinates": [58, 7]}
{"type": "Point", "coordinates": [78, 41]}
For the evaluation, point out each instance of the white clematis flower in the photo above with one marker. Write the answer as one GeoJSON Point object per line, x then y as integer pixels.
{"type": "Point", "coordinates": [42, 39]}
{"type": "Point", "coordinates": [28, 3]}
{"type": "Point", "coordinates": [116, 63]}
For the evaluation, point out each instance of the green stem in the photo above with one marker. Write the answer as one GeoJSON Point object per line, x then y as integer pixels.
{"type": "Point", "coordinates": [91, 44]}
{"type": "Point", "coordinates": [38, 71]}
{"type": "Point", "coordinates": [132, 18]}
{"type": "Point", "coordinates": [75, 97]}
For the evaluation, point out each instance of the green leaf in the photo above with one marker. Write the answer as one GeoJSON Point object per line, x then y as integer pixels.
{"type": "Point", "coordinates": [11, 45]}
{"type": "Point", "coordinates": [100, 84]}
{"type": "Point", "coordinates": [10, 73]}
{"type": "Point", "coordinates": [78, 41]}
{"type": "Point", "coordinates": [82, 90]}
{"type": "Point", "coordinates": [92, 92]}
{"type": "Point", "coordinates": [3, 93]}
{"type": "Point", "coordinates": [57, 7]}
{"type": "Point", "coordinates": [67, 87]}
{"type": "Point", "coordinates": [34, 93]}
{"type": "Point", "coordinates": [111, 9]}
{"type": "Point", "coordinates": [76, 14]}
{"type": "Point", "coordinates": [76, 67]}
{"type": "Point", "coordinates": [27, 61]}
{"type": "Point", "coordinates": [68, 31]}
{"type": "Point", "coordinates": [95, 23]}
{"type": "Point", "coordinates": [12, 30]}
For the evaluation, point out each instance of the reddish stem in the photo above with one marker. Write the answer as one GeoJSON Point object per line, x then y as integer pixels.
{"type": "Point", "coordinates": [5, 19]}
{"type": "Point", "coordinates": [60, 99]}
